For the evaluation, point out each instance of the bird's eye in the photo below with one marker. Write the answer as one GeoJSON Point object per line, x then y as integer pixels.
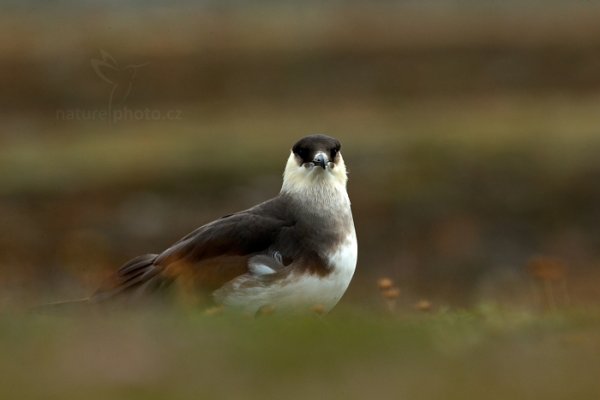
{"type": "Point", "coordinates": [303, 153]}
{"type": "Point", "coordinates": [334, 153]}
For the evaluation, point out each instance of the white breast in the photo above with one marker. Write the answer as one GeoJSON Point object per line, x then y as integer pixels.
{"type": "Point", "coordinates": [322, 193]}
{"type": "Point", "coordinates": [296, 292]}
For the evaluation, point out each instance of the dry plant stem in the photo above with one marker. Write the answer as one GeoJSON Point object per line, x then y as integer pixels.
{"type": "Point", "coordinates": [391, 305]}
{"type": "Point", "coordinates": [536, 295]}
{"type": "Point", "coordinates": [549, 292]}
{"type": "Point", "coordinates": [565, 292]}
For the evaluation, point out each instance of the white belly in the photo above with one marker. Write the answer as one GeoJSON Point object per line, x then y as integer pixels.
{"type": "Point", "coordinates": [296, 292]}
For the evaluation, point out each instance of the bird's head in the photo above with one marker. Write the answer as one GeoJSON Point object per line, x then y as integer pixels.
{"type": "Point", "coordinates": [314, 160]}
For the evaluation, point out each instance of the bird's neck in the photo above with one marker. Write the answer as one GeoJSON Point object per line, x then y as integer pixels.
{"type": "Point", "coordinates": [321, 197]}
{"type": "Point", "coordinates": [318, 189]}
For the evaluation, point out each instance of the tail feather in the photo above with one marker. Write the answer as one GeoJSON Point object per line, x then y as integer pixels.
{"type": "Point", "coordinates": [135, 278]}
{"type": "Point", "coordinates": [61, 306]}
{"type": "Point", "coordinates": [137, 263]}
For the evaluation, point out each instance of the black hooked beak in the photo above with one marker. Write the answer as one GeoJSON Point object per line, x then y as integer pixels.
{"type": "Point", "coordinates": [321, 160]}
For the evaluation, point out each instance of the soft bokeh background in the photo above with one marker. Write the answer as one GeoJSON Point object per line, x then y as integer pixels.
{"type": "Point", "coordinates": [471, 130]}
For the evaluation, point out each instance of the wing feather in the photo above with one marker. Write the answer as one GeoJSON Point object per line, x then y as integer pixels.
{"type": "Point", "coordinates": [208, 257]}
{"type": "Point", "coordinates": [240, 234]}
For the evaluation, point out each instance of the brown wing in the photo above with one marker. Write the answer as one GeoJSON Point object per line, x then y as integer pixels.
{"type": "Point", "coordinates": [211, 255]}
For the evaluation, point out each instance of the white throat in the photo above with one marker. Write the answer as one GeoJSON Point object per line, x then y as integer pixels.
{"type": "Point", "coordinates": [324, 189]}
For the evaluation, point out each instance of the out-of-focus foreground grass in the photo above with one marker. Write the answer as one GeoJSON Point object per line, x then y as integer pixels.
{"type": "Point", "coordinates": [486, 353]}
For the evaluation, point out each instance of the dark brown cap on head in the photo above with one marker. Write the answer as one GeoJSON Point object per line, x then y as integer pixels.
{"type": "Point", "coordinates": [308, 146]}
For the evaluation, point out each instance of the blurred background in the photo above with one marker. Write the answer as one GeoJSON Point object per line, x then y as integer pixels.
{"type": "Point", "coordinates": [470, 128]}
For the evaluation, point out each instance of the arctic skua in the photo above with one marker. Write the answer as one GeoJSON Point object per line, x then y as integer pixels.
{"type": "Point", "coordinates": [293, 252]}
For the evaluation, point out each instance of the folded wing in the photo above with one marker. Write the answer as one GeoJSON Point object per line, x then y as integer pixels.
{"type": "Point", "coordinates": [208, 257]}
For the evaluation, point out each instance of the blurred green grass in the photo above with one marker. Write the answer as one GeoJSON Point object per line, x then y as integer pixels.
{"type": "Point", "coordinates": [485, 352]}
{"type": "Point", "coordinates": [556, 134]}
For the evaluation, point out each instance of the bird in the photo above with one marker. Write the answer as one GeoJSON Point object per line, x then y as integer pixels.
{"type": "Point", "coordinates": [294, 252]}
